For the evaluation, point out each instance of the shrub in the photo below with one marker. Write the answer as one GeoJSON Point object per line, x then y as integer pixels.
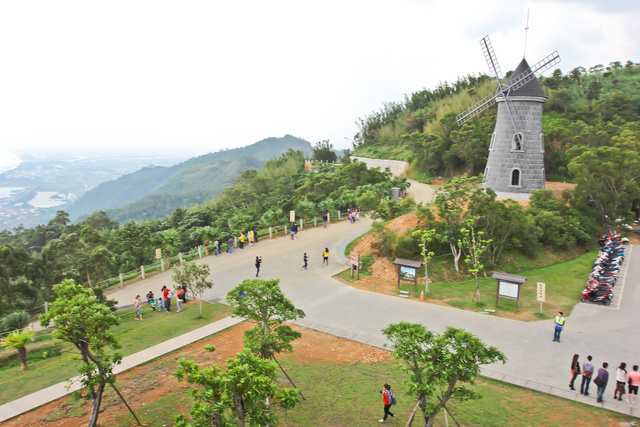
{"type": "Point", "coordinates": [15, 320]}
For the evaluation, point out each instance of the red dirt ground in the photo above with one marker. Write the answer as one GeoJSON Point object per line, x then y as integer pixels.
{"type": "Point", "coordinates": [153, 381]}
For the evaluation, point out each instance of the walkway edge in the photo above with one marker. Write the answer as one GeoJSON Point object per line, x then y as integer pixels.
{"type": "Point", "coordinates": [34, 400]}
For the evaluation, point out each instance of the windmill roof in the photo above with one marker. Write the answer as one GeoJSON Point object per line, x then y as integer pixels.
{"type": "Point", "coordinates": [531, 88]}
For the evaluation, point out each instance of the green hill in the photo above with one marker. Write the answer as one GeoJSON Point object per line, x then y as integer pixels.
{"type": "Point", "coordinates": [154, 192]}
{"type": "Point", "coordinates": [595, 107]}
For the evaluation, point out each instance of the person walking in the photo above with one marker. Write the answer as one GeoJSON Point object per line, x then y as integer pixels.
{"type": "Point", "coordinates": [305, 258]}
{"type": "Point", "coordinates": [258, 262]}
{"type": "Point", "coordinates": [293, 231]}
{"type": "Point", "coordinates": [559, 322]}
{"type": "Point", "coordinates": [325, 256]}
{"type": "Point", "coordinates": [387, 400]}
{"type": "Point", "coordinates": [241, 239]}
{"type": "Point", "coordinates": [621, 381]}
{"type": "Point", "coordinates": [601, 380]}
{"type": "Point", "coordinates": [250, 235]}
{"type": "Point", "coordinates": [137, 306]}
{"type": "Point", "coordinates": [575, 370]}
{"type": "Point", "coordinates": [179, 296]}
{"type": "Point", "coordinates": [634, 383]}
{"type": "Point", "coordinates": [255, 235]}
{"type": "Point", "coordinates": [587, 373]}
{"type": "Point", "coordinates": [325, 218]}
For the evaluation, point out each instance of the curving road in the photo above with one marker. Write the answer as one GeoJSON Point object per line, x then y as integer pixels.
{"type": "Point", "coordinates": [607, 333]}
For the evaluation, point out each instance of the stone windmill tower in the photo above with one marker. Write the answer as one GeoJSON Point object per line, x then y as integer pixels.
{"type": "Point", "coordinates": [516, 153]}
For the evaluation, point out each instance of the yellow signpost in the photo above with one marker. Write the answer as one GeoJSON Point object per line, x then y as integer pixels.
{"type": "Point", "coordinates": [540, 295]}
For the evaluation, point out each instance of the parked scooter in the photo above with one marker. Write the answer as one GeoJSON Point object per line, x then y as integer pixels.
{"type": "Point", "coordinates": [601, 293]}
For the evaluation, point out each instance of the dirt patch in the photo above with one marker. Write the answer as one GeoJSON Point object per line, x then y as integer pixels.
{"type": "Point", "coordinates": [153, 381]}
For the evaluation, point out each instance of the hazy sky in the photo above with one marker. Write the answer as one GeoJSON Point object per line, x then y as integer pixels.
{"type": "Point", "coordinates": [197, 76]}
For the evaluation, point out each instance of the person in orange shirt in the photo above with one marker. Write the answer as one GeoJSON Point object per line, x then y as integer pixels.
{"type": "Point", "coordinates": [386, 400]}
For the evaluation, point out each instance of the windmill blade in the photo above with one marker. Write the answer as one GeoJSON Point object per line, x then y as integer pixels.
{"type": "Point", "coordinates": [476, 109]}
{"type": "Point", "coordinates": [490, 57]}
{"type": "Point", "coordinates": [546, 63]}
{"type": "Point", "coordinates": [537, 69]}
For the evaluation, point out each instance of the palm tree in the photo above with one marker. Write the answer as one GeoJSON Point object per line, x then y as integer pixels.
{"type": "Point", "coordinates": [273, 216]}
{"type": "Point", "coordinates": [17, 340]}
{"type": "Point", "coordinates": [169, 239]}
{"type": "Point", "coordinates": [304, 208]}
{"type": "Point", "coordinates": [207, 234]}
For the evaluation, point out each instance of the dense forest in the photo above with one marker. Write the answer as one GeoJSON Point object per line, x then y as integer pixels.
{"type": "Point", "coordinates": [598, 107]}
{"type": "Point", "coordinates": [33, 260]}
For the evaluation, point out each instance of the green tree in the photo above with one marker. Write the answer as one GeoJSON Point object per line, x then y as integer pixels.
{"type": "Point", "coordinates": [195, 278]}
{"type": "Point", "coordinates": [475, 245]}
{"type": "Point", "coordinates": [206, 234]}
{"type": "Point", "coordinates": [439, 365]}
{"type": "Point", "coordinates": [169, 240]}
{"type": "Point", "coordinates": [607, 180]}
{"type": "Point", "coordinates": [323, 151]}
{"type": "Point", "coordinates": [133, 241]}
{"type": "Point", "coordinates": [426, 237]}
{"type": "Point", "coordinates": [242, 394]}
{"type": "Point", "coordinates": [13, 265]}
{"type": "Point", "coordinates": [79, 318]}
{"type": "Point", "coordinates": [263, 302]}
{"type": "Point", "coordinates": [17, 341]}
{"type": "Point", "coordinates": [451, 206]}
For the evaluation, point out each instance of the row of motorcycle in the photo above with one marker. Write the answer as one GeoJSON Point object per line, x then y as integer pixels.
{"type": "Point", "coordinates": [604, 274]}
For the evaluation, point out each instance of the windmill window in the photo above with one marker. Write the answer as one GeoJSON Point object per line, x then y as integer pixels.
{"type": "Point", "coordinates": [517, 142]}
{"type": "Point", "coordinates": [493, 139]}
{"type": "Point", "coordinates": [542, 143]}
{"type": "Point", "coordinates": [486, 174]}
{"type": "Point", "coordinates": [544, 176]}
{"type": "Point", "coordinates": [515, 178]}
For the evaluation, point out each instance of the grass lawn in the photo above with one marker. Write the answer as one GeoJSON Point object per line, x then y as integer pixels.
{"type": "Point", "coordinates": [347, 394]}
{"type": "Point", "coordinates": [564, 284]}
{"type": "Point", "coordinates": [51, 362]}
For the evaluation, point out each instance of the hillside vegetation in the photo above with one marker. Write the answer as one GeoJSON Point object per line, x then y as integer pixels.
{"type": "Point", "coordinates": [154, 192]}
{"type": "Point", "coordinates": [598, 107]}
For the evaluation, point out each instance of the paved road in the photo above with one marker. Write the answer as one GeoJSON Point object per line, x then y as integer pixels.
{"type": "Point", "coordinates": [397, 167]}
{"type": "Point", "coordinates": [421, 193]}
{"type": "Point", "coordinates": [607, 334]}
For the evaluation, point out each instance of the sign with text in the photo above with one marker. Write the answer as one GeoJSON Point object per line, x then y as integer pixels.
{"type": "Point", "coordinates": [355, 258]}
{"type": "Point", "coordinates": [158, 253]}
{"type": "Point", "coordinates": [292, 216]}
{"type": "Point", "coordinates": [541, 292]}
{"type": "Point", "coordinates": [508, 290]}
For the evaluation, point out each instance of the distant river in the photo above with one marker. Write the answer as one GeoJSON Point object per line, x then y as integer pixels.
{"type": "Point", "coordinates": [8, 161]}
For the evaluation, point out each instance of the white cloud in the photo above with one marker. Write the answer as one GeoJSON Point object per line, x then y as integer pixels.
{"type": "Point", "coordinates": [198, 76]}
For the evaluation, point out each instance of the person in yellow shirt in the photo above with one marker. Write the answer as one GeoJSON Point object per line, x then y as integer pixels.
{"type": "Point", "coordinates": [558, 326]}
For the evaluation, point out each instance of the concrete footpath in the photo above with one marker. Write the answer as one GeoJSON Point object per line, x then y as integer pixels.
{"type": "Point", "coordinates": [56, 391]}
{"type": "Point", "coordinates": [534, 361]}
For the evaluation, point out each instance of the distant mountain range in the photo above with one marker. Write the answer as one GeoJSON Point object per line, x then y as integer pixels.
{"type": "Point", "coordinates": [156, 191]}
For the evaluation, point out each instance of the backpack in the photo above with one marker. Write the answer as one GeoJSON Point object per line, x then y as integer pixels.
{"type": "Point", "coordinates": [170, 294]}
{"type": "Point", "coordinates": [392, 399]}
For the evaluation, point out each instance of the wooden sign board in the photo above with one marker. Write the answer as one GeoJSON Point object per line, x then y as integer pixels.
{"type": "Point", "coordinates": [509, 287]}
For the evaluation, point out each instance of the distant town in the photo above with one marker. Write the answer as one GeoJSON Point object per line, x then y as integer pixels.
{"type": "Point", "coordinates": [31, 193]}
